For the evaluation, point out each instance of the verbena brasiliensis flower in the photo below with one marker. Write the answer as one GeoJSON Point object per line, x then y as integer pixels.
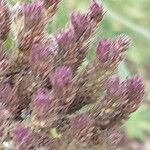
{"type": "Point", "coordinates": [42, 90]}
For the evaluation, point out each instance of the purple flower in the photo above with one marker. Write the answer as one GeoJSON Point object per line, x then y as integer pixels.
{"type": "Point", "coordinates": [61, 76]}
{"type": "Point", "coordinates": [41, 60]}
{"type": "Point", "coordinates": [135, 89]}
{"type": "Point", "coordinates": [81, 26]}
{"type": "Point", "coordinates": [32, 20]}
{"type": "Point", "coordinates": [33, 15]}
{"type": "Point", "coordinates": [4, 115]}
{"type": "Point", "coordinates": [41, 98]}
{"type": "Point", "coordinates": [115, 87]}
{"type": "Point", "coordinates": [32, 10]}
{"type": "Point", "coordinates": [46, 84]}
{"type": "Point", "coordinates": [122, 43]}
{"type": "Point", "coordinates": [104, 50]}
{"type": "Point", "coordinates": [96, 11]}
{"type": "Point", "coordinates": [42, 103]}
{"type": "Point", "coordinates": [65, 38]}
{"type": "Point", "coordinates": [21, 134]}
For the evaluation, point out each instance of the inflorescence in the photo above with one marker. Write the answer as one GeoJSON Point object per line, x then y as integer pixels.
{"type": "Point", "coordinates": [44, 95]}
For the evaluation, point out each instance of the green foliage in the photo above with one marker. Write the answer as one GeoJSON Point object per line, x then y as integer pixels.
{"type": "Point", "coordinates": [138, 125]}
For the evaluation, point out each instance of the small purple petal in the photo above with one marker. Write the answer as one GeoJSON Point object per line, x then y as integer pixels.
{"type": "Point", "coordinates": [103, 50]}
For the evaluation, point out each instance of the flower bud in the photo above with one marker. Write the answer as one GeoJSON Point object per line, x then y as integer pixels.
{"type": "Point", "coordinates": [122, 43]}
{"type": "Point", "coordinates": [32, 15]}
{"type": "Point", "coordinates": [65, 38]}
{"type": "Point", "coordinates": [33, 27]}
{"type": "Point", "coordinates": [81, 26]}
{"type": "Point", "coordinates": [104, 50]}
{"type": "Point", "coordinates": [135, 93]}
{"type": "Point", "coordinates": [71, 51]}
{"type": "Point", "coordinates": [5, 118]}
{"type": "Point", "coordinates": [110, 138]}
{"type": "Point", "coordinates": [41, 97]}
{"type": "Point", "coordinates": [96, 11]}
{"type": "Point", "coordinates": [40, 102]}
{"type": "Point", "coordinates": [50, 8]}
{"type": "Point", "coordinates": [22, 138]}
{"type": "Point", "coordinates": [109, 110]}
{"type": "Point", "coordinates": [61, 77]}
{"type": "Point", "coordinates": [21, 134]}
{"type": "Point", "coordinates": [115, 87]}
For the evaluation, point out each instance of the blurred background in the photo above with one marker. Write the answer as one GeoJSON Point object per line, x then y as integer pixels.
{"type": "Point", "coordinates": [131, 17]}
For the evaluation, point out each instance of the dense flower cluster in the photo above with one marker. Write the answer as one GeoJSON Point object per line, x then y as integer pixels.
{"type": "Point", "coordinates": [43, 93]}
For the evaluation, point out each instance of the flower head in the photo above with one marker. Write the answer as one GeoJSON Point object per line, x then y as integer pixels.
{"type": "Point", "coordinates": [80, 23]}
{"type": "Point", "coordinates": [96, 11]}
{"type": "Point", "coordinates": [104, 50]}
{"type": "Point", "coordinates": [41, 97]}
{"type": "Point", "coordinates": [65, 38]}
{"type": "Point", "coordinates": [21, 134]}
{"type": "Point", "coordinates": [32, 24]}
{"type": "Point", "coordinates": [32, 15]}
{"type": "Point", "coordinates": [135, 88]}
{"type": "Point", "coordinates": [115, 87]}
{"type": "Point", "coordinates": [61, 76]}
{"type": "Point", "coordinates": [122, 43]}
